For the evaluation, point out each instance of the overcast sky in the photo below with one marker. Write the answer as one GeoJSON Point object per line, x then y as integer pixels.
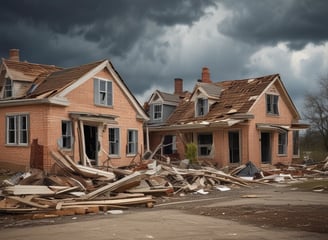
{"type": "Point", "coordinates": [151, 42]}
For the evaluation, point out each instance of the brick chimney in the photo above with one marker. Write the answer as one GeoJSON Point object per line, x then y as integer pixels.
{"type": "Point", "coordinates": [206, 78]}
{"type": "Point", "coordinates": [14, 55]}
{"type": "Point", "coordinates": [178, 86]}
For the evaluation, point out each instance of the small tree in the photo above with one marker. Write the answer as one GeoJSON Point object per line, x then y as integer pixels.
{"type": "Point", "coordinates": [316, 110]}
{"type": "Point", "coordinates": [191, 152]}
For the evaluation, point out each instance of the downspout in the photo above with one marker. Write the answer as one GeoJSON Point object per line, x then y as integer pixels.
{"type": "Point", "coordinates": [147, 138]}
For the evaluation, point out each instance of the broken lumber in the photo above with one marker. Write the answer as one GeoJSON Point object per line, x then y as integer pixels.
{"type": "Point", "coordinates": [79, 169]}
{"type": "Point", "coordinates": [28, 190]}
{"type": "Point", "coordinates": [117, 202]}
{"type": "Point", "coordinates": [27, 202]}
{"type": "Point", "coordinates": [113, 186]}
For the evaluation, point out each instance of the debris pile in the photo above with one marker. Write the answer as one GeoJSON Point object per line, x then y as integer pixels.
{"type": "Point", "coordinates": [76, 189]}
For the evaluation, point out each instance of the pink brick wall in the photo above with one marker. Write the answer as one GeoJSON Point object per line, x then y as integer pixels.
{"type": "Point", "coordinates": [249, 135]}
{"type": "Point", "coordinates": [45, 124]}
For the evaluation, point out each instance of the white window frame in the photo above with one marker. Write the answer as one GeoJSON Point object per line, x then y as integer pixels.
{"type": "Point", "coordinates": [67, 134]}
{"type": "Point", "coordinates": [204, 146]}
{"type": "Point", "coordinates": [114, 141]}
{"type": "Point", "coordinates": [19, 130]}
{"type": "Point", "coordinates": [272, 104]}
{"type": "Point", "coordinates": [282, 143]}
{"type": "Point", "coordinates": [8, 88]}
{"type": "Point", "coordinates": [132, 143]}
{"type": "Point", "coordinates": [103, 92]}
{"type": "Point", "coordinates": [201, 106]}
{"type": "Point", "coordinates": [157, 113]}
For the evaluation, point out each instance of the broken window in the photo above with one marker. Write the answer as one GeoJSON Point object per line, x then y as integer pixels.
{"type": "Point", "coordinates": [157, 111]}
{"type": "Point", "coordinates": [103, 94]}
{"type": "Point", "coordinates": [201, 107]}
{"type": "Point", "coordinates": [205, 141]}
{"type": "Point", "coordinates": [132, 142]}
{"type": "Point", "coordinates": [66, 134]}
{"type": "Point", "coordinates": [272, 104]}
{"type": "Point", "coordinates": [17, 127]}
{"type": "Point", "coordinates": [8, 88]}
{"type": "Point", "coordinates": [282, 143]}
{"type": "Point", "coordinates": [114, 141]}
{"type": "Point", "coordinates": [169, 144]}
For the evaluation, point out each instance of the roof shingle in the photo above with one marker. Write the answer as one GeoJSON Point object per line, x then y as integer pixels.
{"type": "Point", "coordinates": [55, 81]}
{"type": "Point", "coordinates": [235, 96]}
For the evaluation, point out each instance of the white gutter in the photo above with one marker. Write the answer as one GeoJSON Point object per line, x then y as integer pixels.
{"type": "Point", "coordinates": [22, 102]}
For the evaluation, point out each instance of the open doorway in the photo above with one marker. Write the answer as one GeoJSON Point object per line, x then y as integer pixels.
{"type": "Point", "coordinates": [234, 147]}
{"type": "Point", "coordinates": [91, 143]}
{"type": "Point", "coordinates": [265, 147]}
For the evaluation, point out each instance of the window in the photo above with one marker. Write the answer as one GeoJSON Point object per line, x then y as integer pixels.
{"type": "Point", "coordinates": [157, 111]}
{"type": "Point", "coordinates": [169, 144]}
{"type": "Point", "coordinates": [66, 134]}
{"type": "Point", "coordinates": [8, 88]}
{"type": "Point", "coordinates": [103, 92]}
{"type": "Point", "coordinates": [282, 143]}
{"type": "Point", "coordinates": [296, 143]}
{"type": "Point", "coordinates": [201, 107]}
{"type": "Point", "coordinates": [114, 141]}
{"type": "Point", "coordinates": [205, 141]}
{"type": "Point", "coordinates": [17, 129]}
{"type": "Point", "coordinates": [272, 104]}
{"type": "Point", "coordinates": [132, 142]}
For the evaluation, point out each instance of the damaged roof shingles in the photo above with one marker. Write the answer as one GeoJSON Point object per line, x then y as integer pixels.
{"type": "Point", "coordinates": [235, 96]}
{"type": "Point", "coordinates": [58, 80]}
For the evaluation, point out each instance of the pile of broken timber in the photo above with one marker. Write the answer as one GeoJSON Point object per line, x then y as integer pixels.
{"type": "Point", "coordinates": [76, 189]}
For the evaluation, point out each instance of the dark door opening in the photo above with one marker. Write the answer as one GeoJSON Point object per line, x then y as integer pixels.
{"type": "Point", "coordinates": [91, 143]}
{"type": "Point", "coordinates": [168, 145]}
{"type": "Point", "coordinates": [234, 147]}
{"type": "Point", "coordinates": [265, 147]}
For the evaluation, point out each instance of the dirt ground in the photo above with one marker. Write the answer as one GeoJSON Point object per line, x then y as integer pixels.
{"type": "Point", "coordinates": [260, 212]}
{"type": "Point", "coordinates": [279, 206]}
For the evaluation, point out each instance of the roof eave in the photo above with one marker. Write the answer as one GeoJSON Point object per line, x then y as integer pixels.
{"type": "Point", "coordinates": [34, 101]}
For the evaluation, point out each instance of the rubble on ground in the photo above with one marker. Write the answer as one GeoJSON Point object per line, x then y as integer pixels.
{"type": "Point", "coordinates": [74, 189]}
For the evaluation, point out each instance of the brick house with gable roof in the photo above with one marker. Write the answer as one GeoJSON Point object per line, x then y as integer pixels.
{"type": "Point", "coordinates": [86, 111]}
{"type": "Point", "coordinates": [232, 122]}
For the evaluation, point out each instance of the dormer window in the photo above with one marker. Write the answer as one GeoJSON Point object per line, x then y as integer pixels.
{"type": "Point", "coordinates": [272, 104]}
{"type": "Point", "coordinates": [201, 107]}
{"type": "Point", "coordinates": [8, 89]}
{"type": "Point", "coordinates": [103, 92]}
{"type": "Point", "coordinates": [157, 111]}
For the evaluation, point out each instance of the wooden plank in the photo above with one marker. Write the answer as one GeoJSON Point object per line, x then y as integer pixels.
{"type": "Point", "coordinates": [18, 210]}
{"type": "Point", "coordinates": [152, 191]}
{"type": "Point", "coordinates": [27, 202]}
{"type": "Point", "coordinates": [28, 190]}
{"type": "Point", "coordinates": [83, 170]}
{"type": "Point", "coordinates": [123, 201]}
{"type": "Point", "coordinates": [115, 185]}
{"type": "Point", "coordinates": [62, 163]}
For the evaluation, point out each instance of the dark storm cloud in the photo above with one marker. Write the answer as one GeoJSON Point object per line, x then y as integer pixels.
{"type": "Point", "coordinates": [150, 42]}
{"type": "Point", "coordinates": [113, 25]}
{"type": "Point", "coordinates": [267, 22]}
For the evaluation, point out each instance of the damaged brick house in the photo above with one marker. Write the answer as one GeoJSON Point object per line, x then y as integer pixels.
{"type": "Point", "coordinates": [86, 111]}
{"type": "Point", "coordinates": [231, 122]}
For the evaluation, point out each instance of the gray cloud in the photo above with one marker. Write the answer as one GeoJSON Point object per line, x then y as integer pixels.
{"type": "Point", "coordinates": [267, 22]}
{"type": "Point", "coordinates": [113, 25]}
{"type": "Point", "coordinates": [150, 42]}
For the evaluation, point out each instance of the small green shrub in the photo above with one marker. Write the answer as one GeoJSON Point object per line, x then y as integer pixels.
{"type": "Point", "coordinates": [191, 152]}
